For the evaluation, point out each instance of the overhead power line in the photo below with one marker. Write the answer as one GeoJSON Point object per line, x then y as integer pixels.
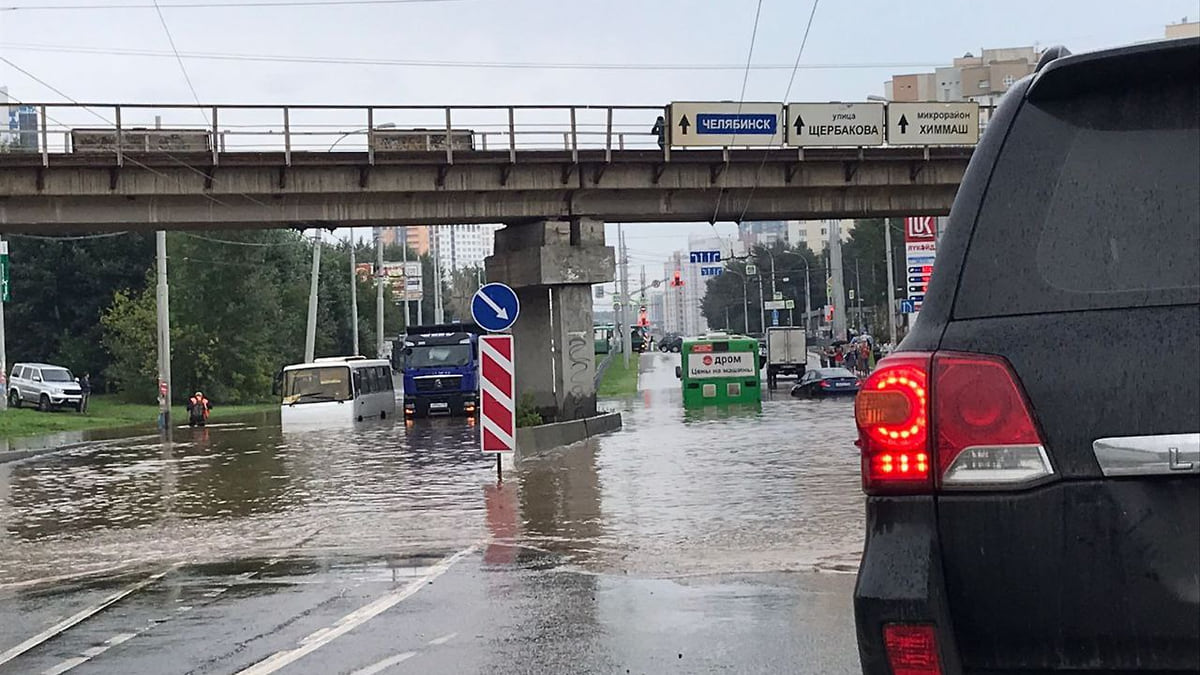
{"type": "Point", "coordinates": [799, 53]}
{"type": "Point", "coordinates": [238, 4]}
{"type": "Point", "coordinates": [171, 40]}
{"type": "Point", "coordinates": [418, 63]}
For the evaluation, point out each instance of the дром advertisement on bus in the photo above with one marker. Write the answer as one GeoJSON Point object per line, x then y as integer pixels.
{"type": "Point", "coordinates": [729, 364]}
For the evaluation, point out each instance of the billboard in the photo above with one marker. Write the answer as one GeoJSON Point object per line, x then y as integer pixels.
{"type": "Point", "coordinates": [419, 140]}
{"type": "Point", "coordinates": [141, 140]}
{"type": "Point", "coordinates": [920, 249]}
{"type": "Point", "coordinates": [404, 280]}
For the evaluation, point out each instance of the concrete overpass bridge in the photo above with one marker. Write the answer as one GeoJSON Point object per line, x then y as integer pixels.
{"type": "Point", "coordinates": [99, 167]}
{"type": "Point", "coordinates": [553, 174]}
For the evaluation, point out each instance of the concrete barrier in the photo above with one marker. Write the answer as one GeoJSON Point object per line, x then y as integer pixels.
{"type": "Point", "coordinates": [536, 440]}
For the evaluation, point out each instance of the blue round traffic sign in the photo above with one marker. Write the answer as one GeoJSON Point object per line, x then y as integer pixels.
{"type": "Point", "coordinates": [495, 307]}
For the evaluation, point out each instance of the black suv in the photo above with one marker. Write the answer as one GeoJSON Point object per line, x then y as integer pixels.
{"type": "Point", "coordinates": [1031, 453]}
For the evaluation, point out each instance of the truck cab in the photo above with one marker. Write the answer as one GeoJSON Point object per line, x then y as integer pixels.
{"type": "Point", "coordinates": [439, 366]}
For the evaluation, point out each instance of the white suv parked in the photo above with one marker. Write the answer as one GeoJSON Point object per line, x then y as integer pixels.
{"type": "Point", "coordinates": [47, 386]}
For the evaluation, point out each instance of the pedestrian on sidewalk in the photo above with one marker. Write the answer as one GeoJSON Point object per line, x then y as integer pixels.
{"type": "Point", "coordinates": [660, 130]}
{"type": "Point", "coordinates": [85, 390]}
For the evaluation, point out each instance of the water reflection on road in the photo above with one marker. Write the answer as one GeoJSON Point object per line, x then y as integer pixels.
{"type": "Point", "coordinates": [674, 493]}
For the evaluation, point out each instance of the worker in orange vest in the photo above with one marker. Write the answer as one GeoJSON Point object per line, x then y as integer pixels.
{"type": "Point", "coordinates": [198, 409]}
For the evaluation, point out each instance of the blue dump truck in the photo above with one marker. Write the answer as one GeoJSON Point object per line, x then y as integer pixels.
{"type": "Point", "coordinates": [440, 365]}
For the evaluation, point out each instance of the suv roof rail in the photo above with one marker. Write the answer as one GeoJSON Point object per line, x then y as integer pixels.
{"type": "Point", "coordinates": [1051, 54]}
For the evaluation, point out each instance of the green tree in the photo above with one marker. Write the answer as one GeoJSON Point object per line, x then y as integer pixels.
{"type": "Point", "coordinates": [60, 289]}
{"type": "Point", "coordinates": [130, 337]}
{"type": "Point", "coordinates": [864, 266]}
{"type": "Point", "coordinates": [724, 293]}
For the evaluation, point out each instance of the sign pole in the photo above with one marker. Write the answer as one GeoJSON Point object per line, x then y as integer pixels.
{"type": "Point", "coordinates": [5, 293]}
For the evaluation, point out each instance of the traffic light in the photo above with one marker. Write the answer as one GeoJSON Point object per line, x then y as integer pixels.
{"type": "Point", "coordinates": [676, 280]}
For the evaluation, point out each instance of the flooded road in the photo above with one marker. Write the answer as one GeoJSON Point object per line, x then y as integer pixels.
{"type": "Point", "coordinates": [721, 539]}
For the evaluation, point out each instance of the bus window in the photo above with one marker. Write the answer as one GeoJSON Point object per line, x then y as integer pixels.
{"type": "Point", "coordinates": [317, 384]}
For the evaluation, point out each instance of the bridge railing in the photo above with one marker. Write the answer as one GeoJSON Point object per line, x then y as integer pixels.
{"type": "Point", "coordinates": [182, 129]}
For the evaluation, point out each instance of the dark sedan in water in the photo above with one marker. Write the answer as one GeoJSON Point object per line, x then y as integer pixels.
{"type": "Point", "coordinates": [826, 382]}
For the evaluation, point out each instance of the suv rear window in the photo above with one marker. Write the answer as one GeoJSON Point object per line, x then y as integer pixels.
{"type": "Point", "coordinates": [17, 371]}
{"type": "Point", "coordinates": [1094, 203]}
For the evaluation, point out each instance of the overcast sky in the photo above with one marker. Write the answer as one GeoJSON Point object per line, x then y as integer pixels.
{"type": "Point", "coordinates": [852, 49]}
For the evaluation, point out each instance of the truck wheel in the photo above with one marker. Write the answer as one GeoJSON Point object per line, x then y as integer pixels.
{"type": "Point", "coordinates": [44, 403]}
{"type": "Point", "coordinates": [14, 399]}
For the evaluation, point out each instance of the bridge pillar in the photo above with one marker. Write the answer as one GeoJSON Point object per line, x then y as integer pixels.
{"type": "Point", "coordinates": [552, 265]}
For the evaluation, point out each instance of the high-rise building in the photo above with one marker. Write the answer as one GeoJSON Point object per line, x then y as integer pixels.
{"type": "Point", "coordinates": [982, 79]}
{"type": "Point", "coordinates": [682, 305]}
{"type": "Point", "coordinates": [460, 246]}
{"type": "Point", "coordinates": [761, 232]}
{"type": "Point", "coordinates": [418, 237]}
{"type": "Point", "coordinates": [815, 233]}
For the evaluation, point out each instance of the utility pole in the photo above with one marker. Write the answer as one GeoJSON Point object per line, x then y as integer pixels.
{"type": "Point", "coordinates": [164, 333]}
{"type": "Point", "coordinates": [404, 261]}
{"type": "Point", "coordinates": [379, 338]}
{"type": "Point", "coordinates": [858, 295]}
{"type": "Point", "coordinates": [310, 336]}
{"type": "Point", "coordinates": [762, 308]}
{"type": "Point", "coordinates": [353, 292]}
{"type": "Point", "coordinates": [439, 314]}
{"type": "Point", "coordinates": [891, 281]}
{"type": "Point", "coordinates": [835, 272]}
{"type": "Point", "coordinates": [627, 338]}
{"type": "Point", "coordinates": [3, 355]}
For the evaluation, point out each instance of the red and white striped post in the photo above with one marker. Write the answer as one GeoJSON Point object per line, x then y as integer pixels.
{"type": "Point", "coordinates": [497, 384]}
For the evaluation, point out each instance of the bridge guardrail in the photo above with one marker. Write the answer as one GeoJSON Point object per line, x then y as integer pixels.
{"type": "Point", "coordinates": [216, 130]}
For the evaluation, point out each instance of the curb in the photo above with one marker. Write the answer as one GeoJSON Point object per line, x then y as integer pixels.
{"type": "Point", "coordinates": [533, 441]}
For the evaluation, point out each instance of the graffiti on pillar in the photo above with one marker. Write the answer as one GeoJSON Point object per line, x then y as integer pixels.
{"type": "Point", "coordinates": [580, 361]}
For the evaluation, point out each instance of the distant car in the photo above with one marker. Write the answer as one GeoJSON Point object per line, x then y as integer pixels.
{"type": "Point", "coordinates": [1031, 452]}
{"type": "Point", "coordinates": [671, 342]}
{"type": "Point", "coordinates": [44, 385]}
{"type": "Point", "coordinates": [826, 382]}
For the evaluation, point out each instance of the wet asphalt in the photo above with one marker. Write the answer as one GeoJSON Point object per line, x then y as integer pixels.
{"type": "Point", "coordinates": [707, 541]}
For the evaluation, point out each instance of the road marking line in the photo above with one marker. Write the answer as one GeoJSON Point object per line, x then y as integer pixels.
{"type": "Point", "coordinates": [79, 617]}
{"type": "Point", "coordinates": [384, 664]}
{"type": "Point", "coordinates": [89, 654]}
{"type": "Point", "coordinates": [65, 666]}
{"type": "Point", "coordinates": [443, 640]}
{"type": "Point", "coordinates": [354, 619]}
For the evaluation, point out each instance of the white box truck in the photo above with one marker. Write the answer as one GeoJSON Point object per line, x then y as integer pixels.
{"type": "Point", "coordinates": [787, 353]}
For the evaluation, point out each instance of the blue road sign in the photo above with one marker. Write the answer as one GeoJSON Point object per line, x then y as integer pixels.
{"type": "Point", "coordinates": [737, 123]}
{"type": "Point", "coordinates": [495, 307]}
{"type": "Point", "coordinates": [774, 317]}
{"type": "Point", "coordinates": [906, 307]}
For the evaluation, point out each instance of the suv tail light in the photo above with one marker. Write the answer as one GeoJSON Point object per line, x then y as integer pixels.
{"type": "Point", "coordinates": [949, 420]}
{"type": "Point", "coordinates": [912, 649]}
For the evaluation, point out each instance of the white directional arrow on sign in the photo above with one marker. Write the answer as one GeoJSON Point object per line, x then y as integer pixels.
{"type": "Point", "coordinates": [500, 311]}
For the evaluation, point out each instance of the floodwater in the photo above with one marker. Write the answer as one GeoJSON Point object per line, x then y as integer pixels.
{"type": "Point", "coordinates": [675, 493]}
{"type": "Point", "coordinates": [704, 541]}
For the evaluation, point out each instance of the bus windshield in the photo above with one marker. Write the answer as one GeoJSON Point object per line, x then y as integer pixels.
{"type": "Point", "coordinates": [317, 384]}
{"type": "Point", "coordinates": [439, 356]}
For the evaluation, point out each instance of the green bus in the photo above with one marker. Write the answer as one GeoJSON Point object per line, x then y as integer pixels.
{"type": "Point", "coordinates": [719, 368]}
{"type": "Point", "coordinates": [602, 337]}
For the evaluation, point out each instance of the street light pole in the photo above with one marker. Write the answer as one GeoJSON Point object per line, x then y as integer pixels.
{"type": "Point", "coordinates": [891, 282]}
{"type": "Point", "coordinates": [310, 336]}
{"type": "Point", "coordinates": [807, 299]}
{"type": "Point", "coordinates": [385, 125]}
